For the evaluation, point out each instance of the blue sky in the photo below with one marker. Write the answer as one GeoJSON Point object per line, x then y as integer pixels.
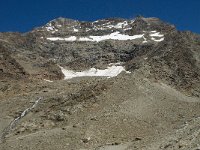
{"type": "Point", "coordinates": [24, 15]}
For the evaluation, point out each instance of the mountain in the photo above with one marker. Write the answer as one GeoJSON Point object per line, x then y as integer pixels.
{"type": "Point", "coordinates": [109, 84]}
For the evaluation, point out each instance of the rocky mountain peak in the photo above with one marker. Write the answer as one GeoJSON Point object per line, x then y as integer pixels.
{"type": "Point", "coordinates": [108, 84]}
{"type": "Point", "coordinates": [81, 45]}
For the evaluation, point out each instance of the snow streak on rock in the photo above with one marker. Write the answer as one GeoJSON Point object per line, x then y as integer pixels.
{"type": "Point", "coordinates": [16, 120]}
{"type": "Point", "coordinates": [47, 80]}
{"type": "Point", "coordinates": [112, 36]}
{"type": "Point", "coordinates": [156, 36]}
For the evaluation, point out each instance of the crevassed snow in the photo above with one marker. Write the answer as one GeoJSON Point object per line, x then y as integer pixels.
{"type": "Point", "coordinates": [111, 71]}
{"type": "Point", "coordinates": [112, 36]}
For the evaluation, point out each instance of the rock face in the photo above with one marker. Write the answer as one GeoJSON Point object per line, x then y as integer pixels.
{"type": "Point", "coordinates": [172, 55]}
{"type": "Point", "coordinates": [157, 94]}
{"type": "Point", "coordinates": [9, 68]}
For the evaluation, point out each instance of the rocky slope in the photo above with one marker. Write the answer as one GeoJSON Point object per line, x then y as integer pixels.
{"type": "Point", "coordinates": [145, 107]}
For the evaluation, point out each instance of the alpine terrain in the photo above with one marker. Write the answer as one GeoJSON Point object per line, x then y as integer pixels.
{"type": "Point", "coordinates": [111, 84]}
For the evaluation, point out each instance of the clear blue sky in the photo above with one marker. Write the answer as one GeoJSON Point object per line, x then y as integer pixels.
{"type": "Point", "coordinates": [23, 15]}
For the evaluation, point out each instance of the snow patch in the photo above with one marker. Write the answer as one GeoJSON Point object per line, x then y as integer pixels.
{"type": "Point", "coordinates": [85, 39]}
{"type": "Point", "coordinates": [75, 30]}
{"type": "Point", "coordinates": [132, 21]}
{"type": "Point", "coordinates": [129, 28]}
{"type": "Point", "coordinates": [59, 26]}
{"type": "Point", "coordinates": [115, 36]}
{"type": "Point", "coordinates": [112, 36]}
{"type": "Point", "coordinates": [87, 29]}
{"type": "Point", "coordinates": [156, 34]}
{"type": "Point", "coordinates": [111, 71]}
{"type": "Point", "coordinates": [145, 40]}
{"type": "Point", "coordinates": [51, 28]}
{"type": "Point", "coordinates": [159, 40]}
{"type": "Point", "coordinates": [71, 39]}
{"type": "Point", "coordinates": [120, 25]}
{"type": "Point", "coordinates": [153, 31]}
{"type": "Point", "coordinates": [48, 80]}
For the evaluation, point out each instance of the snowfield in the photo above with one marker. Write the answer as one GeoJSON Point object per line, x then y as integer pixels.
{"type": "Point", "coordinates": [112, 36]}
{"type": "Point", "coordinates": [111, 71]}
